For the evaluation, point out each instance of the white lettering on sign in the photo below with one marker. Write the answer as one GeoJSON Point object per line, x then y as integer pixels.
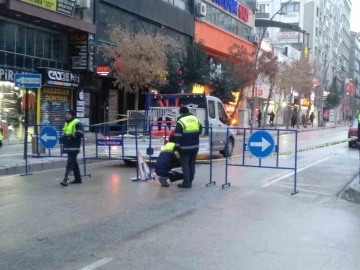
{"type": "Point", "coordinates": [6, 75]}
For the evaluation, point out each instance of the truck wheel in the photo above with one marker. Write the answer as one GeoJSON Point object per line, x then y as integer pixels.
{"type": "Point", "coordinates": [130, 163]}
{"type": "Point", "coordinates": [228, 151]}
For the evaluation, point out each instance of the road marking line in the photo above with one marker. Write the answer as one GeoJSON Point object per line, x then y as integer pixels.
{"type": "Point", "coordinates": [284, 183]}
{"type": "Point", "coordinates": [292, 173]}
{"type": "Point", "coordinates": [306, 190]}
{"type": "Point", "coordinates": [97, 264]}
{"type": "Point", "coordinates": [8, 206]}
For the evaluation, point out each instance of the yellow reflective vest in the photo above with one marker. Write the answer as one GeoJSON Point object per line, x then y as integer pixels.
{"type": "Point", "coordinates": [69, 128]}
{"type": "Point", "coordinates": [169, 147]}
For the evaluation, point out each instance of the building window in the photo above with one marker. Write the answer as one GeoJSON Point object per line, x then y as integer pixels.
{"type": "Point", "coordinates": [226, 22]}
{"type": "Point", "coordinates": [30, 48]}
{"type": "Point", "coordinates": [291, 7]}
{"type": "Point", "coordinates": [264, 8]}
{"type": "Point", "coordinates": [182, 4]}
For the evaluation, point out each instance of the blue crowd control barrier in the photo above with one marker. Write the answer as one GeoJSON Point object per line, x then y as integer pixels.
{"type": "Point", "coordinates": [47, 142]}
{"type": "Point", "coordinates": [260, 145]}
{"type": "Point", "coordinates": [118, 142]}
{"type": "Point", "coordinates": [163, 133]}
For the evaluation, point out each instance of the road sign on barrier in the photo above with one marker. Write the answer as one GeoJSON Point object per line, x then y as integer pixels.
{"type": "Point", "coordinates": [261, 144]}
{"type": "Point", "coordinates": [48, 137]}
{"type": "Point", "coordinates": [27, 80]}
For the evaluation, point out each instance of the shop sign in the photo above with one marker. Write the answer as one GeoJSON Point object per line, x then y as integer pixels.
{"type": "Point", "coordinates": [65, 7]}
{"type": "Point", "coordinates": [326, 114]}
{"type": "Point", "coordinates": [103, 70]}
{"type": "Point", "coordinates": [288, 35]}
{"type": "Point", "coordinates": [7, 74]}
{"type": "Point", "coordinates": [83, 108]}
{"type": "Point", "coordinates": [233, 7]}
{"type": "Point", "coordinates": [60, 78]}
{"type": "Point", "coordinates": [82, 49]}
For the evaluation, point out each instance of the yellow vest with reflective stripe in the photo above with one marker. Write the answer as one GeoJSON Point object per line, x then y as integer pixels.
{"type": "Point", "coordinates": [169, 147]}
{"type": "Point", "coordinates": [69, 128]}
{"type": "Point", "coordinates": [1, 136]}
{"type": "Point", "coordinates": [358, 117]}
{"type": "Point", "coordinates": [189, 124]}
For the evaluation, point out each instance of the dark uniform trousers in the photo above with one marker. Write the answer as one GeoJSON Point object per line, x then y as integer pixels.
{"type": "Point", "coordinates": [72, 165]}
{"type": "Point", "coordinates": [188, 163]}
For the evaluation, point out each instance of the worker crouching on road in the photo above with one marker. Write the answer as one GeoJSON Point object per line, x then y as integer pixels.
{"type": "Point", "coordinates": [187, 140]}
{"type": "Point", "coordinates": [73, 133]}
{"type": "Point", "coordinates": [166, 162]}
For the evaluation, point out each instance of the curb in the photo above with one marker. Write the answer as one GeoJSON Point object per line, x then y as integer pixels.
{"type": "Point", "coordinates": [352, 191]}
{"type": "Point", "coordinates": [45, 166]}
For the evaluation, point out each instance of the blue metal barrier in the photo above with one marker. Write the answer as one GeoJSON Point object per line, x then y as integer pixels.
{"type": "Point", "coordinates": [261, 145]}
{"type": "Point", "coordinates": [113, 147]}
{"type": "Point", "coordinates": [164, 139]}
{"type": "Point", "coordinates": [41, 152]}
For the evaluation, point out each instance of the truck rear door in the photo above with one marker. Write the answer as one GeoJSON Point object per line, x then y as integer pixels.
{"type": "Point", "coordinates": [222, 124]}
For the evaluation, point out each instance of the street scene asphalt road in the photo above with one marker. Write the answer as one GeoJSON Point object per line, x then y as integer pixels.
{"type": "Point", "coordinates": [110, 222]}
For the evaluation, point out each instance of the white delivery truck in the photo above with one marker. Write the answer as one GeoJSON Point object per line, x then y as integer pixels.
{"type": "Point", "coordinates": [154, 125]}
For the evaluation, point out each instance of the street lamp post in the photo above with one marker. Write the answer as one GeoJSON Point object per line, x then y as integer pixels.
{"type": "Point", "coordinates": [257, 57]}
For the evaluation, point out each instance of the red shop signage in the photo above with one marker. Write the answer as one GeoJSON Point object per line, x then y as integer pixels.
{"type": "Point", "coordinates": [243, 13]}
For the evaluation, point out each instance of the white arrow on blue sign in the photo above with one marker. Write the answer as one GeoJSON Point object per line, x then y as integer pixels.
{"type": "Point", "coordinates": [27, 80]}
{"type": "Point", "coordinates": [261, 144]}
{"type": "Point", "coordinates": [48, 137]}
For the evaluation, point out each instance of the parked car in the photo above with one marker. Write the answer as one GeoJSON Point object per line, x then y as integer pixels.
{"type": "Point", "coordinates": [353, 133]}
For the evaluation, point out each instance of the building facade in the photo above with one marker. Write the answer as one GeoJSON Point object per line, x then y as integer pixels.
{"type": "Point", "coordinates": [40, 38]}
{"type": "Point", "coordinates": [355, 69]}
{"type": "Point", "coordinates": [149, 16]}
{"type": "Point", "coordinates": [221, 24]}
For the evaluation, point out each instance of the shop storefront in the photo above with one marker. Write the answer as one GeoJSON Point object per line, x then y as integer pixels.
{"type": "Point", "coordinates": [56, 96]}
{"type": "Point", "coordinates": [12, 105]}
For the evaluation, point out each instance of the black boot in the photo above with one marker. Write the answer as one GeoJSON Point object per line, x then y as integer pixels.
{"type": "Point", "coordinates": [184, 185]}
{"type": "Point", "coordinates": [64, 183]}
{"type": "Point", "coordinates": [76, 182]}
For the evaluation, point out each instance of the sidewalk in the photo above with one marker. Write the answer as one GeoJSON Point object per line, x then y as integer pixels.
{"type": "Point", "coordinates": [301, 129]}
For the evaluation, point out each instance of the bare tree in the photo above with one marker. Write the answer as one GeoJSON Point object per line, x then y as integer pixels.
{"type": "Point", "coordinates": [241, 64]}
{"type": "Point", "coordinates": [138, 59]}
{"type": "Point", "coordinates": [268, 68]}
{"type": "Point", "coordinates": [304, 71]}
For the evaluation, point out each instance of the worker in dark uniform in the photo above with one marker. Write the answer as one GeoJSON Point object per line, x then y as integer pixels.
{"type": "Point", "coordinates": [187, 139]}
{"type": "Point", "coordinates": [72, 135]}
{"type": "Point", "coordinates": [166, 162]}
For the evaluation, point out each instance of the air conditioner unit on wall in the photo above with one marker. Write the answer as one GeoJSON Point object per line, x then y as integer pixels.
{"type": "Point", "coordinates": [82, 4]}
{"type": "Point", "coordinates": [255, 39]}
{"type": "Point", "coordinates": [201, 9]}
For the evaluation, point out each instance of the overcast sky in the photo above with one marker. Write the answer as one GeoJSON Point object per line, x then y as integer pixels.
{"type": "Point", "coordinates": [355, 18]}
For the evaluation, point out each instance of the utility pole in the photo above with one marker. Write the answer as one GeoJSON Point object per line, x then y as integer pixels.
{"type": "Point", "coordinates": [321, 113]}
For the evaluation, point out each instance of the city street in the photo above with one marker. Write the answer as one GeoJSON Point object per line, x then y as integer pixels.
{"type": "Point", "coordinates": [110, 222]}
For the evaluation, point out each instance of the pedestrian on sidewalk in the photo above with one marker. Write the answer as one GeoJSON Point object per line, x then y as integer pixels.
{"type": "Point", "coordinates": [259, 117]}
{"type": "Point", "coordinates": [73, 133]}
{"type": "Point", "coordinates": [187, 140]}
{"type": "Point", "coordinates": [166, 162]}
{"type": "Point", "coordinates": [293, 120]}
{"type": "Point", "coordinates": [312, 118]}
{"type": "Point", "coordinates": [272, 118]}
{"type": "Point", "coordinates": [1, 137]}
{"type": "Point", "coordinates": [303, 120]}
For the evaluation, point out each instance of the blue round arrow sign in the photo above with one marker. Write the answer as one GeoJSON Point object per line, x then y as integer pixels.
{"type": "Point", "coordinates": [261, 144]}
{"type": "Point", "coordinates": [48, 137]}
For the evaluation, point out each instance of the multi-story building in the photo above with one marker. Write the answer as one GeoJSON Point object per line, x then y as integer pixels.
{"type": "Point", "coordinates": [53, 38]}
{"type": "Point", "coordinates": [219, 25]}
{"type": "Point", "coordinates": [292, 13]}
{"type": "Point", "coordinates": [355, 66]}
{"type": "Point", "coordinates": [148, 16]}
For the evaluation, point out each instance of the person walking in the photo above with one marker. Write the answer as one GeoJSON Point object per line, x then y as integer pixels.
{"type": "Point", "coordinates": [73, 133]}
{"type": "Point", "coordinates": [312, 118]}
{"type": "Point", "coordinates": [259, 117]}
{"type": "Point", "coordinates": [272, 118]}
{"type": "Point", "coordinates": [187, 139]}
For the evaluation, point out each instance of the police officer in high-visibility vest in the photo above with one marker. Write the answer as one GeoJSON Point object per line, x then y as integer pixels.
{"type": "Point", "coordinates": [73, 132]}
{"type": "Point", "coordinates": [187, 139]}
